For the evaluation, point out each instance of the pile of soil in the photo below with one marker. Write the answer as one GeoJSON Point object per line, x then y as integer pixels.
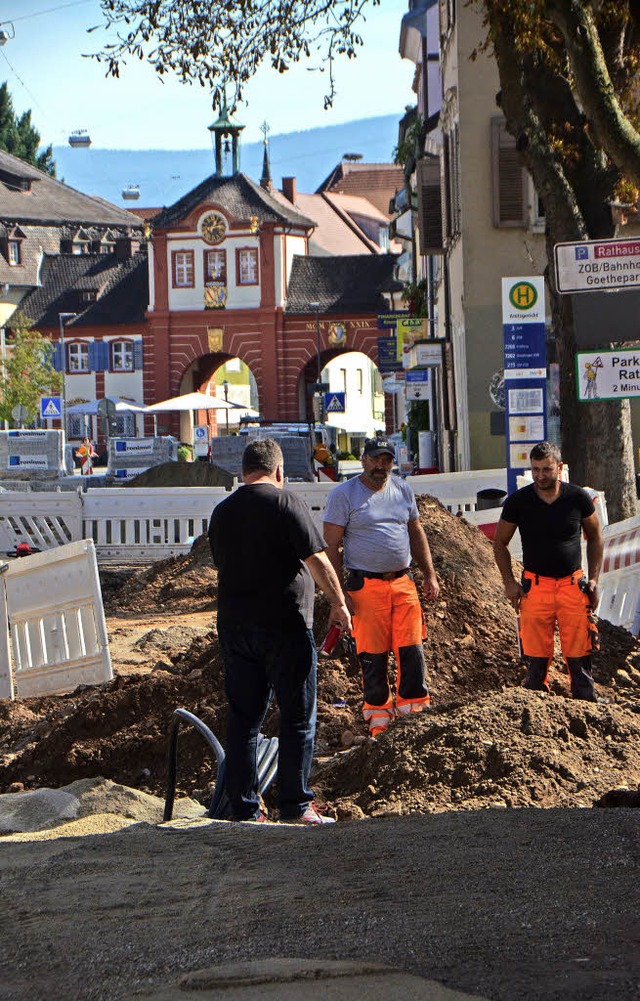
{"type": "Point", "coordinates": [175, 585]}
{"type": "Point", "coordinates": [485, 742]}
{"type": "Point", "coordinates": [182, 474]}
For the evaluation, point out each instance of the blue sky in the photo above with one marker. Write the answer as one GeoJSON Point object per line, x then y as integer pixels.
{"type": "Point", "coordinates": [44, 68]}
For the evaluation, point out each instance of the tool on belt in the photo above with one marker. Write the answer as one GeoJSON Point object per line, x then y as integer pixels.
{"type": "Point", "coordinates": [594, 631]}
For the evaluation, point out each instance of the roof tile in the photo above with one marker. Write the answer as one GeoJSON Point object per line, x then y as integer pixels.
{"type": "Point", "coordinates": [349, 284]}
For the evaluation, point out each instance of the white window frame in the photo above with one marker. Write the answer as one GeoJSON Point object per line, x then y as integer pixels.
{"type": "Point", "coordinates": [248, 266]}
{"type": "Point", "coordinates": [122, 356]}
{"type": "Point", "coordinates": [183, 269]}
{"type": "Point", "coordinates": [220, 273]}
{"type": "Point", "coordinates": [78, 356]}
{"type": "Point", "coordinates": [14, 253]}
{"type": "Point", "coordinates": [126, 425]}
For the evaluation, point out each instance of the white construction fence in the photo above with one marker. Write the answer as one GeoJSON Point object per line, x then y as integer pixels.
{"type": "Point", "coordinates": [53, 635]}
{"type": "Point", "coordinates": [146, 524]}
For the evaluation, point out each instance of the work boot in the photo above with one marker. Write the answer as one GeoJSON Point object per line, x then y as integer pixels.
{"type": "Point", "coordinates": [411, 707]}
{"type": "Point", "coordinates": [378, 718]}
{"type": "Point", "coordinates": [375, 731]}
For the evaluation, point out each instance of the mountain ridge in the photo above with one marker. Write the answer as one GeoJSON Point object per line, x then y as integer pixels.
{"type": "Point", "coordinates": [163, 176]}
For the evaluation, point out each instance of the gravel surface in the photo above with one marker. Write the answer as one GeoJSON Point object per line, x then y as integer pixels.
{"type": "Point", "coordinates": [521, 904]}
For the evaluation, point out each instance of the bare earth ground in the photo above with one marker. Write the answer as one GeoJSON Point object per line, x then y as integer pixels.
{"type": "Point", "coordinates": [460, 876]}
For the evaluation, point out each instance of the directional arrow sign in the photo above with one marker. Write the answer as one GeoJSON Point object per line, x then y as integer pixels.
{"type": "Point", "coordinates": [417, 384]}
{"type": "Point", "coordinates": [50, 406]}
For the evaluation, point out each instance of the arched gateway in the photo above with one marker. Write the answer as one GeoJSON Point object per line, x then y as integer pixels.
{"type": "Point", "coordinates": [231, 276]}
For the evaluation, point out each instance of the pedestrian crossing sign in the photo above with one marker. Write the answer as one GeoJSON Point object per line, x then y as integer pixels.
{"type": "Point", "coordinates": [334, 403]}
{"type": "Point", "coordinates": [50, 406]}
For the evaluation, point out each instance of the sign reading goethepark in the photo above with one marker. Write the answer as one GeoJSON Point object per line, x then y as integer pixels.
{"type": "Point", "coordinates": [594, 265]}
{"type": "Point", "coordinates": [608, 375]}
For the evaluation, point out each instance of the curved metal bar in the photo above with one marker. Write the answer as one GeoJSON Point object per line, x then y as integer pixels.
{"type": "Point", "coordinates": [179, 716]}
{"type": "Point", "coordinates": [220, 808]}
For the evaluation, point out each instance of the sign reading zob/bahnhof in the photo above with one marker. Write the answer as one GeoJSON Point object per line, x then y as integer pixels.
{"type": "Point", "coordinates": [597, 265]}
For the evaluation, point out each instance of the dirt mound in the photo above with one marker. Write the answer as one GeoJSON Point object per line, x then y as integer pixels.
{"type": "Point", "coordinates": [175, 585]}
{"type": "Point", "coordinates": [484, 742]}
{"type": "Point", "coordinates": [512, 749]}
{"type": "Point", "coordinates": [182, 474]}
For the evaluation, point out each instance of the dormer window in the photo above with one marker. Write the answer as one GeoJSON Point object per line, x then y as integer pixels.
{"type": "Point", "coordinates": [106, 244]}
{"type": "Point", "coordinates": [14, 181]}
{"type": "Point", "coordinates": [12, 246]}
{"type": "Point", "coordinates": [80, 243]}
{"type": "Point", "coordinates": [89, 296]}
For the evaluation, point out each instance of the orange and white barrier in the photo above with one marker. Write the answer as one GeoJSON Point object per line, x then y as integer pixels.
{"type": "Point", "coordinates": [620, 577]}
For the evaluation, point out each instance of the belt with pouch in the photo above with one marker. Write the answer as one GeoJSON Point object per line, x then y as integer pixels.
{"type": "Point", "coordinates": [387, 575]}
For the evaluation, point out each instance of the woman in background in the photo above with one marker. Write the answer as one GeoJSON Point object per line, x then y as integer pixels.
{"type": "Point", "coordinates": [86, 453]}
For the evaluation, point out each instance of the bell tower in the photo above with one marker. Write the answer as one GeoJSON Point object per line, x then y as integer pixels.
{"type": "Point", "coordinates": [225, 135]}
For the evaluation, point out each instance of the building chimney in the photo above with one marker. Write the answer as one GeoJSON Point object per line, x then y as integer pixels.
{"type": "Point", "coordinates": [124, 249]}
{"type": "Point", "coordinates": [289, 189]}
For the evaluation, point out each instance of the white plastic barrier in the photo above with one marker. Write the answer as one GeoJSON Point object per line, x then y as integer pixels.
{"type": "Point", "coordinates": [315, 496]}
{"type": "Point", "coordinates": [51, 608]}
{"type": "Point", "coordinates": [620, 577]}
{"type": "Point", "coordinates": [44, 520]}
{"type": "Point", "coordinates": [459, 491]}
{"type": "Point", "coordinates": [147, 523]}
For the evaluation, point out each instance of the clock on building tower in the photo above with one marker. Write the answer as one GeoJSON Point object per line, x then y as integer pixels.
{"type": "Point", "coordinates": [213, 228]}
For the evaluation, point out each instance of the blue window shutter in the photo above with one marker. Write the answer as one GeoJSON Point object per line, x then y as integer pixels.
{"type": "Point", "coordinates": [98, 356]}
{"type": "Point", "coordinates": [137, 355]}
{"type": "Point", "coordinates": [56, 358]}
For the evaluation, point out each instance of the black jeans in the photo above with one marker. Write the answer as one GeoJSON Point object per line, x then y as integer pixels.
{"type": "Point", "coordinates": [258, 662]}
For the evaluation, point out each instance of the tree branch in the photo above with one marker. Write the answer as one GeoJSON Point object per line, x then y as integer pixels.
{"type": "Point", "coordinates": [216, 42]}
{"type": "Point", "coordinates": [612, 129]}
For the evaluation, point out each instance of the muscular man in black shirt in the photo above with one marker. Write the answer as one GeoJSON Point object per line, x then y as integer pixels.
{"type": "Point", "coordinates": [551, 516]}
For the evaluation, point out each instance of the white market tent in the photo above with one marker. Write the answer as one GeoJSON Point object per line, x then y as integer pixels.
{"type": "Point", "coordinates": [190, 401]}
{"type": "Point", "coordinates": [90, 407]}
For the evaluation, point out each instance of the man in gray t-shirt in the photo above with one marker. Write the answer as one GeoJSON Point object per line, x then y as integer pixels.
{"type": "Point", "coordinates": [375, 518]}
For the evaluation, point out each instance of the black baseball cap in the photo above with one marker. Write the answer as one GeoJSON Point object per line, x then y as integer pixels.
{"type": "Point", "coordinates": [378, 446]}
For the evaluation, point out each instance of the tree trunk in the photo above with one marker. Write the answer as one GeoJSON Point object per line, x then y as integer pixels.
{"type": "Point", "coordinates": [596, 435]}
{"type": "Point", "coordinates": [575, 183]}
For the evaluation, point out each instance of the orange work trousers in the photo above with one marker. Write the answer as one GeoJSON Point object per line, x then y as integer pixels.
{"type": "Point", "coordinates": [548, 600]}
{"type": "Point", "coordinates": [388, 616]}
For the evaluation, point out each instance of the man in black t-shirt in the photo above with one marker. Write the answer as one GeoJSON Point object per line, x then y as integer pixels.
{"type": "Point", "coordinates": [552, 516]}
{"type": "Point", "coordinates": [269, 553]}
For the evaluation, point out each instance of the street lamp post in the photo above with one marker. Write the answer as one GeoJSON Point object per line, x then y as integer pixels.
{"type": "Point", "coordinates": [225, 386]}
{"type": "Point", "coordinates": [315, 306]}
{"type": "Point", "coordinates": [62, 319]}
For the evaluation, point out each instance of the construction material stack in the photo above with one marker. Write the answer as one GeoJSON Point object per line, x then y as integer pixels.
{"type": "Point", "coordinates": [128, 457]}
{"type": "Point", "coordinates": [31, 459]}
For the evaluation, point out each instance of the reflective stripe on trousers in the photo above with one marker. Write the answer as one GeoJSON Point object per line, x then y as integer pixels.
{"type": "Point", "coordinates": [388, 616]}
{"type": "Point", "coordinates": [549, 600]}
